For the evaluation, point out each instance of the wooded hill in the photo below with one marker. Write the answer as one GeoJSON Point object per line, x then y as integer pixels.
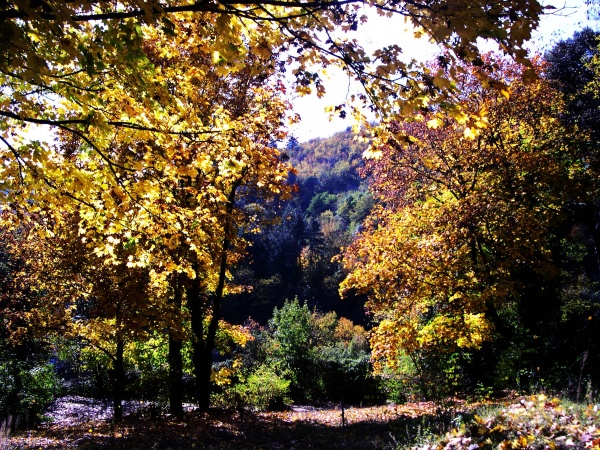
{"type": "Point", "coordinates": [293, 257]}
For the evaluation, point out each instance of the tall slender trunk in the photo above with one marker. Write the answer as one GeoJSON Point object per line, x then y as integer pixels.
{"type": "Point", "coordinates": [204, 370]}
{"type": "Point", "coordinates": [175, 376]}
{"type": "Point", "coordinates": [119, 367]}
{"type": "Point", "coordinates": [203, 373]}
{"type": "Point", "coordinates": [204, 344]}
{"type": "Point", "coordinates": [119, 382]}
{"type": "Point", "coordinates": [175, 359]}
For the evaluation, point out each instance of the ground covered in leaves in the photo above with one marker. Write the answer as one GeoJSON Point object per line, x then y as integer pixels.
{"type": "Point", "coordinates": [522, 423]}
{"type": "Point", "coordinates": [535, 422]}
{"type": "Point", "coordinates": [85, 424]}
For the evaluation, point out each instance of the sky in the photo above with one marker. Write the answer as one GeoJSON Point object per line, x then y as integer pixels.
{"type": "Point", "coordinates": [378, 32]}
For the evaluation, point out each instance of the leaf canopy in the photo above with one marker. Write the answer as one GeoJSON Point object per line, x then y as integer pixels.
{"type": "Point", "coordinates": [463, 223]}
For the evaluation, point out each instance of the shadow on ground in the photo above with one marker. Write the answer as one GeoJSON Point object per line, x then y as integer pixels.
{"type": "Point", "coordinates": [239, 430]}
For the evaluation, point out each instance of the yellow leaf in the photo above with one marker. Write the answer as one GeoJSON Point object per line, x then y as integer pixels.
{"type": "Point", "coordinates": [469, 133]}
{"type": "Point", "coordinates": [372, 153]}
{"type": "Point", "coordinates": [434, 123]}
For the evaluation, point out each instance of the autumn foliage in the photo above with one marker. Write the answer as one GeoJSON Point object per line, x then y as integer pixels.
{"type": "Point", "coordinates": [143, 164]}
{"type": "Point", "coordinates": [465, 217]}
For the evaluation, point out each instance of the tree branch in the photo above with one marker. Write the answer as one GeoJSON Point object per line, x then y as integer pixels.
{"type": "Point", "coordinates": [202, 6]}
{"type": "Point", "coordinates": [113, 123]}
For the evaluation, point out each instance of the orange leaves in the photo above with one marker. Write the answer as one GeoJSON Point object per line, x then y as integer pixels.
{"type": "Point", "coordinates": [463, 209]}
{"type": "Point", "coordinates": [36, 283]}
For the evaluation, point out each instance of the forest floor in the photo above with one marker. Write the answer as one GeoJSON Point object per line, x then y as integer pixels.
{"type": "Point", "coordinates": [77, 422]}
{"type": "Point", "coordinates": [530, 422]}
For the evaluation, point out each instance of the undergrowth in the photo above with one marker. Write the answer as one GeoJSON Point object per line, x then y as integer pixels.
{"type": "Point", "coordinates": [535, 422]}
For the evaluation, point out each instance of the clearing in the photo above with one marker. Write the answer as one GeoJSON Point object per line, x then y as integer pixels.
{"type": "Point", "coordinates": [77, 422]}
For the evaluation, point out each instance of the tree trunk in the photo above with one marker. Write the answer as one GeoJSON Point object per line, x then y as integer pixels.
{"type": "Point", "coordinates": [204, 370]}
{"type": "Point", "coordinates": [595, 228]}
{"type": "Point", "coordinates": [194, 302]}
{"type": "Point", "coordinates": [175, 376]}
{"type": "Point", "coordinates": [203, 373]}
{"type": "Point", "coordinates": [203, 345]}
{"type": "Point", "coordinates": [204, 341]}
{"type": "Point", "coordinates": [175, 360]}
{"type": "Point", "coordinates": [119, 382]}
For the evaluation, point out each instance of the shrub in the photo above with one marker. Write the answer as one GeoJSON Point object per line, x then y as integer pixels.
{"type": "Point", "coordinates": [289, 349]}
{"type": "Point", "coordinates": [263, 390]}
{"type": "Point", "coordinates": [346, 373]}
{"type": "Point", "coordinates": [427, 375]}
{"type": "Point", "coordinates": [86, 371]}
{"type": "Point", "coordinates": [150, 365]}
{"type": "Point", "coordinates": [26, 390]}
{"type": "Point", "coordinates": [324, 357]}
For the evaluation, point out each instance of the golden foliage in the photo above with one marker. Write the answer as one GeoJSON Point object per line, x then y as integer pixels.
{"type": "Point", "coordinates": [460, 217]}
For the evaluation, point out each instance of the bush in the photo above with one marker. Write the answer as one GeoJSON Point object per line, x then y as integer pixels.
{"type": "Point", "coordinates": [427, 375]}
{"type": "Point", "coordinates": [86, 371]}
{"type": "Point", "coordinates": [346, 373]}
{"type": "Point", "coordinates": [26, 390]}
{"type": "Point", "coordinates": [289, 349]}
{"type": "Point", "coordinates": [148, 361]}
{"type": "Point", "coordinates": [322, 356]}
{"type": "Point", "coordinates": [263, 390]}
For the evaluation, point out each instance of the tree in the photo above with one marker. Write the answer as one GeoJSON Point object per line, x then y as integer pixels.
{"type": "Point", "coordinates": [292, 336]}
{"type": "Point", "coordinates": [464, 227]}
{"type": "Point", "coordinates": [203, 185]}
{"type": "Point", "coordinates": [568, 67]}
{"type": "Point", "coordinates": [61, 61]}
{"type": "Point", "coordinates": [72, 293]}
{"type": "Point", "coordinates": [170, 199]}
{"type": "Point", "coordinates": [28, 380]}
{"type": "Point", "coordinates": [116, 306]}
{"type": "Point", "coordinates": [572, 69]}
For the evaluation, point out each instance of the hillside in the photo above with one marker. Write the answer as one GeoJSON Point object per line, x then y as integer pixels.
{"type": "Point", "coordinates": [292, 258]}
